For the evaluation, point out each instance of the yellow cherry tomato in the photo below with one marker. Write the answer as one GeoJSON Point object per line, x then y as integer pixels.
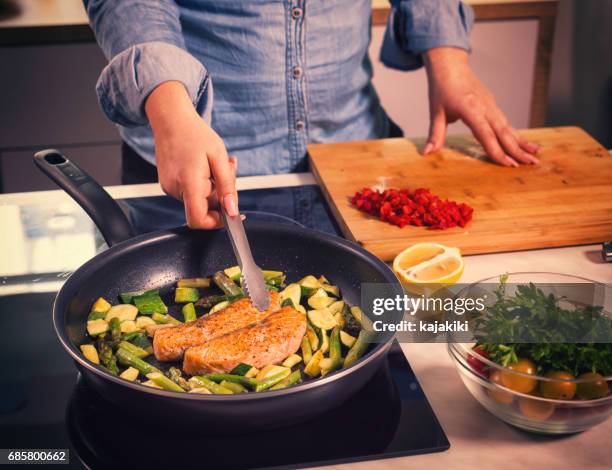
{"type": "Point", "coordinates": [558, 390]}
{"type": "Point", "coordinates": [500, 396]}
{"type": "Point", "coordinates": [536, 409]}
{"type": "Point", "coordinates": [595, 388]}
{"type": "Point", "coordinates": [520, 383]}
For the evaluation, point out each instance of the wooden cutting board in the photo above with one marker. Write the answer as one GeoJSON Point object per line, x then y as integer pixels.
{"type": "Point", "coordinates": [566, 200]}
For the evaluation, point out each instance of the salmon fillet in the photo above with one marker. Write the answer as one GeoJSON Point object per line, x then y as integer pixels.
{"type": "Point", "coordinates": [267, 342]}
{"type": "Point", "coordinates": [169, 344]}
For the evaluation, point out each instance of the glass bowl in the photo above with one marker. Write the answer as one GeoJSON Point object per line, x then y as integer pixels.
{"type": "Point", "coordinates": [530, 411]}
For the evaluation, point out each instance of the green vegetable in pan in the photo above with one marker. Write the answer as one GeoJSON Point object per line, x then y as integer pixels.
{"type": "Point", "coordinates": [197, 282]}
{"type": "Point", "coordinates": [127, 358]}
{"type": "Point", "coordinates": [107, 357]}
{"type": "Point", "coordinates": [164, 382]}
{"type": "Point", "coordinates": [292, 379]}
{"type": "Point", "coordinates": [210, 301]}
{"type": "Point", "coordinates": [150, 303]}
{"type": "Point", "coordinates": [358, 349]}
{"type": "Point", "coordinates": [241, 369]}
{"type": "Point", "coordinates": [189, 312]}
{"type": "Point", "coordinates": [268, 382]}
{"type": "Point", "coordinates": [239, 379]}
{"type": "Point", "coordinates": [226, 284]}
{"type": "Point", "coordinates": [138, 352]}
{"type": "Point", "coordinates": [205, 382]}
{"type": "Point", "coordinates": [127, 297]}
{"type": "Point", "coordinates": [234, 387]}
{"type": "Point", "coordinates": [184, 295]}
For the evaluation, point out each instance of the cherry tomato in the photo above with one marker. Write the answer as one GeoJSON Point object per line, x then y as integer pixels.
{"type": "Point", "coordinates": [558, 390]}
{"type": "Point", "coordinates": [536, 409]}
{"type": "Point", "coordinates": [595, 388]}
{"type": "Point", "coordinates": [520, 383]}
{"type": "Point", "coordinates": [500, 396]}
{"type": "Point", "coordinates": [477, 365]}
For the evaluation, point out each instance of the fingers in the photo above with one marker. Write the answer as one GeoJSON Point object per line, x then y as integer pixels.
{"type": "Point", "coordinates": [509, 140]}
{"type": "Point", "coordinates": [195, 193]}
{"type": "Point", "coordinates": [224, 173]}
{"type": "Point", "coordinates": [484, 133]}
{"type": "Point", "coordinates": [437, 132]}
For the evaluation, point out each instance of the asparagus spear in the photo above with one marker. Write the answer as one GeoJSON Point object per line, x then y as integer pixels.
{"type": "Point", "coordinates": [176, 376]}
{"type": "Point", "coordinates": [127, 358]}
{"type": "Point", "coordinates": [233, 386]}
{"type": "Point", "coordinates": [224, 283]}
{"type": "Point", "coordinates": [358, 349]}
{"type": "Point", "coordinates": [137, 351]}
{"type": "Point", "coordinates": [115, 330]}
{"type": "Point", "coordinates": [238, 379]}
{"type": "Point", "coordinates": [210, 301]}
{"type": "Point", "coordinates": [164, 382]}
{"type": "Point", "coordinates": [306, 350]}
{"type": "Point", "coordinates": [189, 312]}
{"type": "Point", "coordinates": [292, 379]}
{"type": "Point", "coordinates": [107, 358]}
{"type": "Point", "coordinates": [268, 382]}
{"type": "Point", "coordinates": [205, 382]}
{"type": "Point", "coordinates": [335, 353]}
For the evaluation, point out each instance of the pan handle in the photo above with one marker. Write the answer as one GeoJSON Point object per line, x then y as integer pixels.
{"type": "Point", "coordinates": [103, 210]}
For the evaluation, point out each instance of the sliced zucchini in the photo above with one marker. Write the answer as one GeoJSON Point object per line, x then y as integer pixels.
{"type": "Point", "coordinates": [309, 285]}
{"type": "Point", "coordinates": [185, 295]}
{"type": "Point", "coordinates": [312, 338]}
{"type": "Point", "coordinates": [324, 342]}
{"type": "Point", "coordinates": [292, 360]}
{"type": "Point", "coordinates": [130, 374]}
{"type": "Point", "coordinates": [323, 280]}
{"type": "Point", "coordinates": [347, 339]}
{"type": "Point", "coordinates": [142, 322]}
{"type": "Point", "coordinates": [336, 306]}
{"type": "Point", "coordinates": [149, 303]}
{"type": "Point", "coordinates": [90, 352]}
{"type": "Point", "coordinates": [358, 314]}
{"type": "Point", "coordinates": [331, 290]}
{"type": "Point", "coordinates": [219, 306]}
{"type": "Point", "coordinates": [233, 273]}
{"type": "Point", "coordinates": [269, 371]}
{"type": "Point", "coordinates": [241, 369]}
{"type": "Point", "coordinates": [128, 297]}
{"type": "Point", "coordinates": [272, 380]}
{"type": "Point", "coordinates": [189, 312]}
{"type": "Point", "coordinates": [292, 379]}
{"type": "Point", "coordinates": [321, 318]}
{"type": "Point", "coordinates": [253, 371]}
{"type": "Point", "coordinates": [292, 292]}
{"type": "Point", "coordinates": [300, 308]}
{"type": "Point", "coordinates": [128, 326]}
{"type": "Point", "coordinates": [197, 282]}
{"type": "Point", "coordinates": [320, 292]}
{"type": "Point", "coordinates": [317, 302]}
{"type": "Point", "coordinates": [306, 349]}
{"type": "Point", "coordinates": [122, 312]}
{"type": "Point", "coordinates": [97, 327]}
{"type": "Point", "coordinates": [101, 305]}
{"type": "Point", "coordinates": [96, 315]}
{"type": "Point", "coordinates": [313, 367]}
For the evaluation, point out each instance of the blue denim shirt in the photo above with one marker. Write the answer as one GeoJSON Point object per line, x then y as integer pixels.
{"type": "Point", "coordinates": [283, 73]}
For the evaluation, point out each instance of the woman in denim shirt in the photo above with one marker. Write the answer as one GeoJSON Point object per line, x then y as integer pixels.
{"type": "Point", "coordinates": [190, 82]}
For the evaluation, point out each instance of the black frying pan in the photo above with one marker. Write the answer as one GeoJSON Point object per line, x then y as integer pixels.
{"type": "Point", "coordinates": [159, 259]}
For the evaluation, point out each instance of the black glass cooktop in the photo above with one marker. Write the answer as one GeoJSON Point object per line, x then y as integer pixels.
{"type": "Point", "coordinates": [45, 405]}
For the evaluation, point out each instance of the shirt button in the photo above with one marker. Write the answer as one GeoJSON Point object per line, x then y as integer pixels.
{"type": "Point", "coordinates": [296, 12]}
{"type": "Point", "coordinates": [297, 72]}
{"type": "Point", "coordinates": [299, 125]}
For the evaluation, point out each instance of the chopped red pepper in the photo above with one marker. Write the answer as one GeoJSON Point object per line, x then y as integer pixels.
{"type": "Point", "coordinates": [403, 207]}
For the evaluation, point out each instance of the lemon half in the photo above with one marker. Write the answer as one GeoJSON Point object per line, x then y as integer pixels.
{"type": "Point", "coordinates": [428, 263]}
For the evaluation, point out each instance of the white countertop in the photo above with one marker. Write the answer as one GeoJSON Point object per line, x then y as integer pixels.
{"type": "Point", "coordinates": [478, 439]}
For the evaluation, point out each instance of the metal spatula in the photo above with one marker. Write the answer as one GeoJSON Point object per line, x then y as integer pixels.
{"type": "Point", "coordinates": [252, 277]}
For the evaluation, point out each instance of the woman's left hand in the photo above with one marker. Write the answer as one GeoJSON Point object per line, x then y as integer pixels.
{"type": "Point", "coordinates": [455, 92]}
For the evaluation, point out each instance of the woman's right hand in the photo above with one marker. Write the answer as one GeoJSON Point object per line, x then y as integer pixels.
{"type": "Point", "coordinates": [189, 155]}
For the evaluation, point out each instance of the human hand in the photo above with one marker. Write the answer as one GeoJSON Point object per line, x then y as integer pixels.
{"type": "Point", "coordinates": [189, 155]}
{"type": "Point", "coordinates": [455, 92]}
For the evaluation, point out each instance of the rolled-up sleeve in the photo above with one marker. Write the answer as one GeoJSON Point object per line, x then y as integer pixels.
{"type": "Point", "coordinates": [416, 26]}
{"type": "Point", "coordinates": [144, 44]}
